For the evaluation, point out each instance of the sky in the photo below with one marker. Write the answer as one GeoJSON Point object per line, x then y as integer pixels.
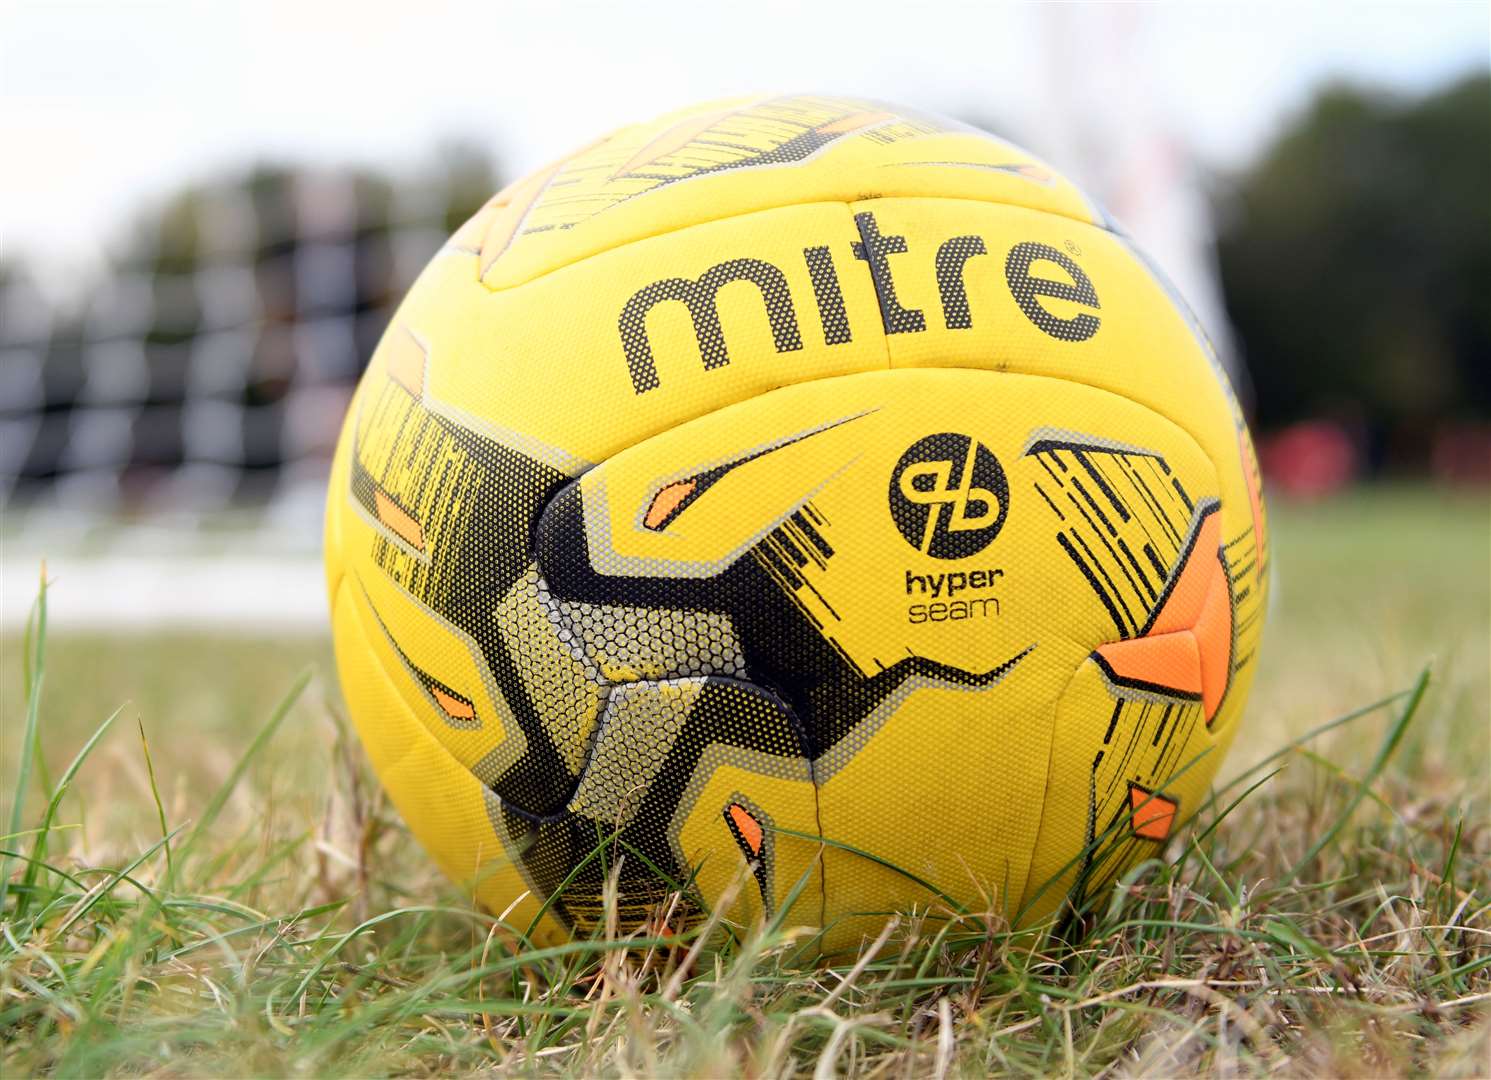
{"type": "Point", "coordinates": [108, 105]}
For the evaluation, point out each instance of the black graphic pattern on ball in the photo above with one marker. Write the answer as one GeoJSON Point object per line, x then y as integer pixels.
{"type": "Point", "coordinates": [954, 294]}
{"type": "Point", "coordinates": [949, 496]}
{"type": "Point", "coordinates": [701, 297]}
{"type": "Point", "coordinates": [829, 296]}
{"type": "Point", "coordinates": [1026, 288]}
{"type": "Point", "coordinates": [873, 248]}
{"type": "Point", "coordinates": [733, 661]}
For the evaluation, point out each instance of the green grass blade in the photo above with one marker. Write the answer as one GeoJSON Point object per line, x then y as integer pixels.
{"type": "Point", "coordinates": [1308, 737]}
{"type": "Point", "coordinates": [779, 917]}
{"type": "Point", "coordinates": [63, 874]}
{"type": "Point", "coordinates": [34, 671]}
{"type": "Point", "coordinates": [99, 892]}
{"type": "Point", "coordinates": [1094, 847]}
{"type": "Point", "coordinates": [1384, 753]}
{"type": "Point", "coordinates": [878, 861]}
{"type": "Point", "coordinates": [160, 810]}
{"type": "Point", "coordinates": [261, 740]}
{"type": "Point", "coordinates": [39, 849]}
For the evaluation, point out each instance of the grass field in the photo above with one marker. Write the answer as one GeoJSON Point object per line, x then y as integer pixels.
{"type": "Point", "coordinates": [224, 891]}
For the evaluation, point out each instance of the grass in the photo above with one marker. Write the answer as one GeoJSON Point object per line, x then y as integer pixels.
{"type": "Point", "coordinates": [214, 886]}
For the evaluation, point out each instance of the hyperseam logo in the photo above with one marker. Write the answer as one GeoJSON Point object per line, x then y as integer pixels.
{"type": "Point", "coordinates": [949, 495]}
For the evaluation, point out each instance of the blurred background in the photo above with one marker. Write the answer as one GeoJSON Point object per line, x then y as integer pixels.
{"type": "Point", "coordinates": [210, 211]}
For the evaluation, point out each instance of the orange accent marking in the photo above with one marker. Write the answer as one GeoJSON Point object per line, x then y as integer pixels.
{"type": "Point", "coordinates": [405, 361]}
{"type": "Point", "coordinates": [852, 122]}
{"type": "Point", "coordinates": [673, 139]}
{"type": "Point", "coordinates": [1188, 647]}
{"type": "Point", "coordinates": [398, 519]}
{"type": "Point", "coordinates": [750, 828]}
{"type": "Point", "coordinates": [1168, 660]}
{"type": "Point", "coordinates": [453, 706]}
{"type": "Point", "coordinates": [1151, 816]}
{"type": "Point", "coordinates": [1188, 595]}
{"type": "Point", "coordinates": [1213, 633]}
{"type": "Point", "coordinates": [666, 501]}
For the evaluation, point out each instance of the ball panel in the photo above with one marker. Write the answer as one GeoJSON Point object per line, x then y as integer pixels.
{"type": "Point", "coordinates": [944, 780]}
{"type": "Point", "coordinates": [1097, 499]}
{"type": "Point", "coordinates": [740, 157]}
{"type": "Point", "coordinates": [1141, 345]}
{"type": "Point", "coordinates": [552, 360]}
{"type": "Point", "coordinates": [830, 450]}
{"type": "Point", "coordinates": [440, 672]}
{"type": "Point", "coordinates": [849, 482]}
{"type": "Point", "coordinates": [750, 876]}
{"type": "Point", "coordinates": [660, 744]}
{"type": "Point", "coordinates": [442, 507]}
{"type": "Point", "coordinates": [565, 685]}
{"type": "Point", "coordinates": [449, 810]}
{"type": "Point", "coordinates": [1127, 770]}
{"type": "Point", "coordinates": [1144, 349]}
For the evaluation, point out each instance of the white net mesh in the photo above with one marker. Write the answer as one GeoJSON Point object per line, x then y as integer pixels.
{"type": "Point", "coordinates": [209, 368]}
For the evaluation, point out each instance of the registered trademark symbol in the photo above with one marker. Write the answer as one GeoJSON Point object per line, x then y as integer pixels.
{"type": "Point", "coordinates": [1073, 248]}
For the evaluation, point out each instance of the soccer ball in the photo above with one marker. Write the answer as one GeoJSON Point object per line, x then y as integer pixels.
{"type": "Point", "coordinates": [812, 505]}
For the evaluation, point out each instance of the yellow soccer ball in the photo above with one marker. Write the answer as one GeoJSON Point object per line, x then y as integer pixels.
{"type": "Point", "coordinates": [787, 469]}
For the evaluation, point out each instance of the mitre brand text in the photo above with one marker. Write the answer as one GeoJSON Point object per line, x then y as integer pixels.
{"type": "Point", "coordinates": [700, 296]}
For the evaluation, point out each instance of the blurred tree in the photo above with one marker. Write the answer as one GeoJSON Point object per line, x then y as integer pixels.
{"type": "Point", "coordinates": [1356, 263]}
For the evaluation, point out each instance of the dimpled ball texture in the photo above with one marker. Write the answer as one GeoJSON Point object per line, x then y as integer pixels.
{"type": "Point", "coordinates": [810, 503]}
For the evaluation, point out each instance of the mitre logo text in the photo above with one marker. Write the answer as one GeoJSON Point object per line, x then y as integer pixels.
{"type": "Point", "coordinates": [700, 296]}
